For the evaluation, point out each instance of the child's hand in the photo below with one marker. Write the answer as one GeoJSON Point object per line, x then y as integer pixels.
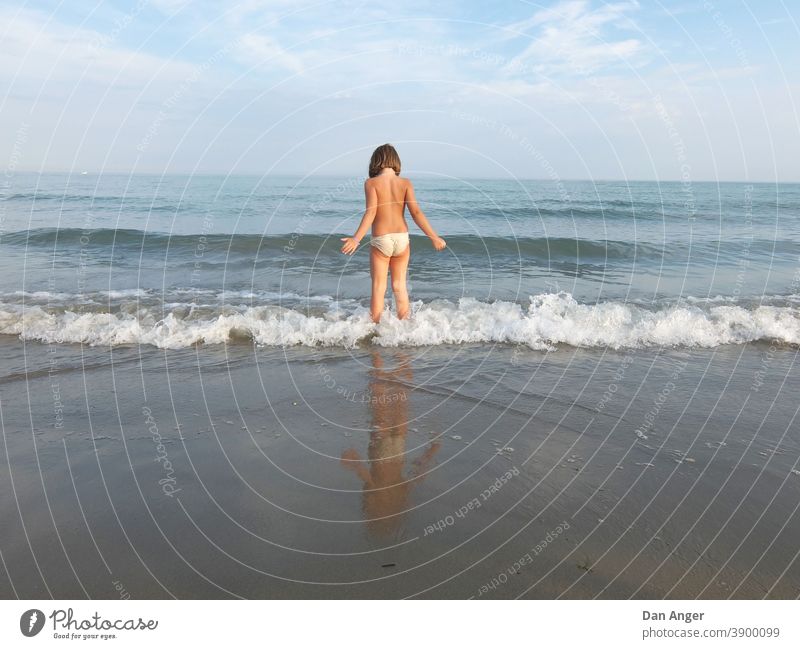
{"type": "Point", "coordinates": [350, 245]}
{"type": "Point", "coordinates": [438, 243]}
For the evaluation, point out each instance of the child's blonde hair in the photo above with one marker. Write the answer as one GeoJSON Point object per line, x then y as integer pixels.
{"type": "Point", "coordinates": [384, 156]}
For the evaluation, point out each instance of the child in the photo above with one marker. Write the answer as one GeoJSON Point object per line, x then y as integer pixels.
{"type": "Point", "coordinates": [386, 479]}
{"type": "Point", "coordinates": [387, 197]}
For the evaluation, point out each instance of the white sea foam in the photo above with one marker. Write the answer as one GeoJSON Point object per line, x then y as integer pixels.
{"type": "Point", "coordinates": [548, 321]}
{"type": "Point", "coordinates": [219, 295]}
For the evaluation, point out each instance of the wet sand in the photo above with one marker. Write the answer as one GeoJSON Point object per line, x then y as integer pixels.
{"type": "Point", "coordinates": [449, 472]}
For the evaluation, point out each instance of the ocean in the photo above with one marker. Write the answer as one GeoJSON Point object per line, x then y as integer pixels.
{"type": "Point", "coordinates": [195, 402]}
{"type": "Point", "coordinates": [175, 261]}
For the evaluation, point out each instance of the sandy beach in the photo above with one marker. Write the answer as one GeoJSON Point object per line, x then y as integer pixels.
{"type": "Point", "coordinates": [472, 471]}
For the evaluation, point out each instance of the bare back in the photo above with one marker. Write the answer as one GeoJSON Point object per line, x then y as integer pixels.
{"type": "Point", "coordinates": [389, 193]}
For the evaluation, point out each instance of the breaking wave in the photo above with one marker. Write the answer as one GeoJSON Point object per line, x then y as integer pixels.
{"type": "Point", "coordinates": [547, 321]}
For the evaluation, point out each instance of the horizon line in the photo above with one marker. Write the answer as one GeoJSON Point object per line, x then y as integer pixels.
{"type": "Point", "coordinates": [85, 172]}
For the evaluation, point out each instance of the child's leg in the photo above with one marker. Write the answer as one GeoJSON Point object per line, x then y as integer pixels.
{"type": "Point", "coordinates": [378, 267]}
{"type": "Point", "coordinates": [399, 266]}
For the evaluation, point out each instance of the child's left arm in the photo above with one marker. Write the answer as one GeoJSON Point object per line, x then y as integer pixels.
{"type": "Point", "coordinates": [351, 243]}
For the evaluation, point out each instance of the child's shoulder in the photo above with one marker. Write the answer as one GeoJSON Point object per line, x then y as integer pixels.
{"type": "Point", "coordinates": [405, 182]}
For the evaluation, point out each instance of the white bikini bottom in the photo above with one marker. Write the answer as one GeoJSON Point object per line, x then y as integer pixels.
{"type": "Point", "coordinates": [391, 244]}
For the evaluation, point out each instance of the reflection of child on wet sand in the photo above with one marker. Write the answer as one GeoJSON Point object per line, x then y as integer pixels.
{"type": "Point", "coordinates": [387, 197]}
{"type": "Point", "coordinates": [386, 488]}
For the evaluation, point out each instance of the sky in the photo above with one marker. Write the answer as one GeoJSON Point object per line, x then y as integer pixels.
{"type": "Point", "coordinates": [683, 90]}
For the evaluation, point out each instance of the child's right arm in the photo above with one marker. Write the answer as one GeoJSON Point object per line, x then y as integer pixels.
{"type": "Point", "coordinates": [421, 220]}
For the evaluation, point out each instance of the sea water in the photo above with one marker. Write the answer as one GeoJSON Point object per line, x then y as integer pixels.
{"type": "Point", "coordinates": [172, 261]}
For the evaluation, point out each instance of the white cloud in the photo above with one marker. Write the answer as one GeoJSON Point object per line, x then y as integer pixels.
{"type": "Point", "coordinates": [261, 49]}
{"type": "Point", "coordinates": [169, 7]}
{"type": "Point", "coordinates": [84, 95]}
{"type": "Point", "coordinates": [35, 49]}
{"type": "Point", "coordinates": [573, 37]}
{"type": "Point", "coordinates": [584, 66]}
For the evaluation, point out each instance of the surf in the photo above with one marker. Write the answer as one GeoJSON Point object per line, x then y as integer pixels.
{"type": "Point", "coordinates": [546, 322]}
